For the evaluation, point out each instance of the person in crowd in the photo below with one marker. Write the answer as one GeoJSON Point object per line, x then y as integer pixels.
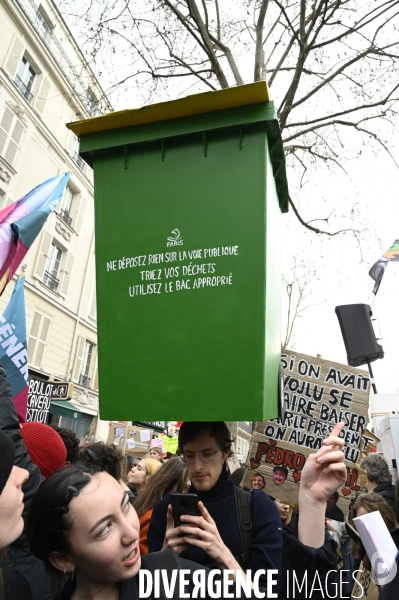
{"type": "Point", "coordinates": [131, 461]}
{"type": "Point", "coordinates": [205, 447]}
{"type": "Point", "coordinates": [257, 481]}
{"type": "Point", "coordinates": [45, 446]}
{"type": "Point", "coordinates": [108, 457]}
{"type": "Point", "coordinates": [379, 477]}
{"type": "Point", "coordinates": [13, 586]}
{"type": "Point", "coordinates": [40, 450]}
{"type": "Point", "coordinates": [367, 503]}
{"type": "Point", "coordinates": [333, 511]}
{"type": "Point", "coordinates": [172, 477]}
{"type": "Point", "coordinates": [283, 510]}
{"type": "Point", "coordinates": [237, 475]}
{"type": "Point", "coordinates": [309, 552]}
{"type": "Point", "coordinates": [156, 453]}
{"type": "Point", "coordinates": [71, 442]}
{"type": "Point", "coordinates": [82, 523]}
{"type": "Point", "coordinates": [140, 474]}
{"type": "Point", "coordinates": [280, 474]}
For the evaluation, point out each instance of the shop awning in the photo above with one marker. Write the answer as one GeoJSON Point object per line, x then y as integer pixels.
{"type": "Point", "coordinates": [64, 408]}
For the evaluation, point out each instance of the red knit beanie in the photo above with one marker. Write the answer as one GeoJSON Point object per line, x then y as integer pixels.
{"type": "Point", "coordinates": [45, 446]}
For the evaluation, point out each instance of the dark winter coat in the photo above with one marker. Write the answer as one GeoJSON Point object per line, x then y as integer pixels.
{"type": "Point", "coordinates": [19, 556]}
{"type": "Point", "coordinates": [266, 546]}
{"type": "Point", "coordinates": [387, 491]}
{"type": "Point", "coordinates": [310, 565]}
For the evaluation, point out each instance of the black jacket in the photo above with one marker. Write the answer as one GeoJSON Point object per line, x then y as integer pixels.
{"type": "Point", "coordinates": [19, 556]}
{"type": "Point", "coordinates": [15, 585]}
{"type": "Point", "coordinates": [315, 568]}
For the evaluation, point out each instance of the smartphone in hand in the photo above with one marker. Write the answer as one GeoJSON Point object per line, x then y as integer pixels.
{"type": "Point", "coordinates": [183, 504]}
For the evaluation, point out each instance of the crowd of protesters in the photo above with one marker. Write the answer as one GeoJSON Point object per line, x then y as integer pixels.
{"type": "Point", "coordinates": [80, 523]}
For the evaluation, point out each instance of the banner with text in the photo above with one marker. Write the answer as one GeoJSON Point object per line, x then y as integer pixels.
{"type": "Point", "coordinates": [318, 394]}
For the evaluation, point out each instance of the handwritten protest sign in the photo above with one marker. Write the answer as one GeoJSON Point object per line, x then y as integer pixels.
{"type": "Point", "coordinates": [318, 394]}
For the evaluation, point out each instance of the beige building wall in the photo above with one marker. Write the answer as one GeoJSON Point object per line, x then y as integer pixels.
{"type": "Point", "coordinates": [45, 83]}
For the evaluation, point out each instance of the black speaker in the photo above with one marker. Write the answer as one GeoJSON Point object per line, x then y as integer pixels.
{"type": "Point", "coordinates": [358, 334]}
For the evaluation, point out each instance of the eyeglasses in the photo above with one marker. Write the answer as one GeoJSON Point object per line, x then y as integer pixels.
{"type": "Point", "coordinates": [205, 457]}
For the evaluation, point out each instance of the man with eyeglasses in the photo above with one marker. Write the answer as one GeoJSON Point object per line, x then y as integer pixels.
{"type": "Point", "coordinates": [214, 538]}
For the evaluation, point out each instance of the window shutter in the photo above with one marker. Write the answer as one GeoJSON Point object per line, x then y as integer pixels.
{"type": "Point", "coordinates": [71, 143]}
{"type": "Point", "coordinates": [78, 358]}
{"type": "Point", "coordinates": [7, 120]}
{"type": "Point", "coordinates": [67, 273]}
{"type": "Point", "coordinates": [93, 364]}
{"type": "Point", "coordinates": [5, 126]}
{"type": "Point", "coordinates": [14, 56]}
{"type": "Point", "coordinates": [41, 342]}
{"type": "Point", "coordinates": [95, 377]}
{"type": "Point", "coordinates": [38, 339]}
{"type": "Point", "coordinates": [93, 308]}
{"type": "Point", "coordinates": [42, 94]}
{"type": "Point", "coordinates": [14, 142]}
{"type": "Point", "coordinates": [3, 139]}
{"type": "Point", "coordinates": [43, 255]}
{"type": "Point", "coordinates": [34, 330]}
{"type": "Point", "coordinates": [78, 221]}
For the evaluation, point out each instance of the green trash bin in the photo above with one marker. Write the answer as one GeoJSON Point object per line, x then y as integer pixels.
{"type": "Point", "coordinates": [188, 202]}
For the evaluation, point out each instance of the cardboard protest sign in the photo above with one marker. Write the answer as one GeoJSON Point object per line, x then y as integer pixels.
{"type": "Point", "coordinates": [138, 439]}
{"type": "Point", "coordinates": [318, 394]}
{"type": "Point", "coordinates": [39, 400]}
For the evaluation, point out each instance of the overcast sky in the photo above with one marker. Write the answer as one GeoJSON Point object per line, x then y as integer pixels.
{"type": "Point", "coordinates": [341, 266]}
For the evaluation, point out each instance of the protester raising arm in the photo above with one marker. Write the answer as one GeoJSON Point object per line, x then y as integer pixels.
{"type": "Point", "coordinates": [323, 473]}
{"type": "Point", "coordinates": [309, 552]}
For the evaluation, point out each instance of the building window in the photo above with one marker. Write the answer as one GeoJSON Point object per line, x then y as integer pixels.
{"type": "Point", "coordinates": [87, 362]}
{"type": "Point", "coordinates": [51, 273]}
{"type": "Point", "coordinates": [24, 78]}
{"type": "Point", "coordinates": [54, 265]}
{"type": "Point", "coordinates": [66, 210]}
{"type": "Point", "coordinates": [73, 207]}
{"type": "Point", "coordinates": [84, 369]}
{"type": "Point", "coordinates": [11, 130]}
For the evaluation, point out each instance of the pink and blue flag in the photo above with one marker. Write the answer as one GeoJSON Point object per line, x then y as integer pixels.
{"type": "Point", "coordinates": [21, 222]}
{"type": "Point", "coordinates": [13, 352]}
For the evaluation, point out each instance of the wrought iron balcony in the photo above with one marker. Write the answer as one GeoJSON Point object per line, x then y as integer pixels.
{"type": "Point", "coordinates": [50, 281]}
{"type": "Point", "coordinates": [23, 89]}
{"type": "Point", "coordinates": [56, 50]}
{"type": "Point", "coordinates": [66, 217]}
{"type": "Point", "coordinates": [84, 380]}
{"type": "Point", "coordinates": [79, 161]}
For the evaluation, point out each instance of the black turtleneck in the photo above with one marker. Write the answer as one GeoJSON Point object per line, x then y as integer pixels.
{"type": "Point", "coordinates": [266, 545]}
{"type": "Point", "coordinates": [222, 488]}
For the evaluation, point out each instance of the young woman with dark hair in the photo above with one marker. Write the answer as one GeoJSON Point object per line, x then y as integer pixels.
{"type": "Point", "coordinates": [82, 523]}
{"type": "Point", "coordinates": [106, 457]}
{"type": "Point", "coordinates": [172, 477]}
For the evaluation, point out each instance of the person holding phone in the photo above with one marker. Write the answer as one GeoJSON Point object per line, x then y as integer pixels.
{"type": "Point", "coordinates": [213, 538]}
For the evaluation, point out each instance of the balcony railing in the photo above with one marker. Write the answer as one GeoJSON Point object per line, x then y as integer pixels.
{"type": "Point", "coordinates": [50, 281]}
{"type": "Point", "coordinates": [23, 89]}
{"type": "Point", "coordinates": [52, 44]}
{"type": "Point", "coordinates": [66, 217]}
{"type": "Point", "coordinates": [84, 380]}
{"type": "Point", "coordinates": [79, 161]}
